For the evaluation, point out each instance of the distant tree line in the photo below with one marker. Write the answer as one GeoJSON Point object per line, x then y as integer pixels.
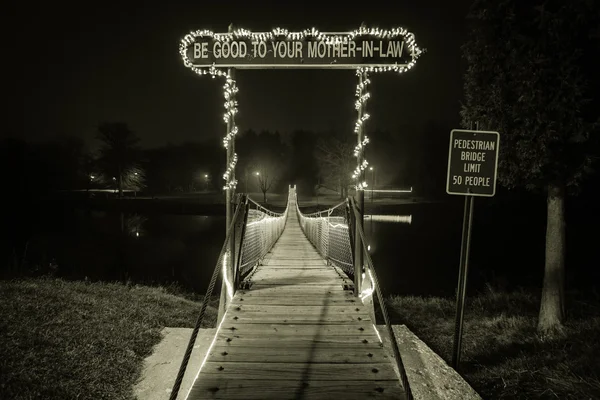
{"type": "Point", "coordinates": [267, 162]}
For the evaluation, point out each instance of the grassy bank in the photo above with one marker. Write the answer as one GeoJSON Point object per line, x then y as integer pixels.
{"type": "Point", "coordinates": [77, 340]}
{"type": "Point", "coordinates": [503, 357]}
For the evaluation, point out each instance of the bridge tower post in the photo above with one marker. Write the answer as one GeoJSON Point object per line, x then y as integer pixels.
{"type": "Point", "coordinates": [229, 210]}
{"type": "Point", "coordinates": [360, 176]}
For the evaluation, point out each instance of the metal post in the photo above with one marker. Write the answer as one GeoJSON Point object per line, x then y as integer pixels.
{"type": "Point", "coordinates": [229, 195]}
{"type": "Point", "coordinates": [360, 202]}
{"type": "Point", "coordinates": [465, 249]}
{"type": "Point", "coordinates": [244, 221]}
{"type": "Point", "coordinates": [462, 279]}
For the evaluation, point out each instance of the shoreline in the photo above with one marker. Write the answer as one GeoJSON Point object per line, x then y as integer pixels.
{"type": "Point", "coordinates": [211, 206]}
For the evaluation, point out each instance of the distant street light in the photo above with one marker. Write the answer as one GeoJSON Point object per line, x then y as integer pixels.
{"type": "Point", "coordinates": [136, 187]}
{"type": "Point", "coordinates": [90, 183]}
{"type": "Point", "coordinates": [206, 182]}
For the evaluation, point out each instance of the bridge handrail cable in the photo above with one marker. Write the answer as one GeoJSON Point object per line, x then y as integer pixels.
{"type": "Point", "coordinates": [260, 229]}
{"type": "Point", "coordinates": [263, 228]}
{"type": "Point", "coordinates": [369, 270]}
{"type": "Point", "coordinates": [205, 300]}
{"type": "Point", "coordinates": [328, 231]}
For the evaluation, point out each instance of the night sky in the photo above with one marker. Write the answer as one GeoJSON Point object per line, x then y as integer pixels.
{"type": "Point", "coordinates": [120, 62]}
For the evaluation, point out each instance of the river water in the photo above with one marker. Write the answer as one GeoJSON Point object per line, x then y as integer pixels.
{"type": "Point", "coordinates": [415, 250]}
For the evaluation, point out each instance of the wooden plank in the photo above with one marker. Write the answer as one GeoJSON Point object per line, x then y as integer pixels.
{"type": "Point", "coordinates": [299, 280]}
{"type": "Point", "coordinates": [335, 286]}
{"type": "Point", "coordinates": [274, 309]}
{"type": "Point", "coordinates": [281, 250]}
{"type": "Point", "coordinates": [300, 371]}
{"type": "Point", "coordinates": [297, 319]}
{"type": "Point", "coordinates": [296, 272]}
{"type": "Point", "coordinates": [308, 274]}
{"type": "Point", "coordinates": [286, 257]}
{"type": "Point", "coordinates": [308, 354]}
{"type": "Point", "coordinates": [284, 260]}
{"type": "Point", "coordinates": [230, 339]}
{"type": "Point", "coordinates": [285, 273]}
{"type": "Point", "coordinates": [296, 244]}
{"type": "Point", "coordinates": [277, 331]}
{"type": "Point", "coordinates": [266, 389]}
{"type": "Point", "coordinates": [293, 266]}
{"type": "Point", "coordinates": [295, 300]}
{"type": "Point", "coordinates": [322, 292]}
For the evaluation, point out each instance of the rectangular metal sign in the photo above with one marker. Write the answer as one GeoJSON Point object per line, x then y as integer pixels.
{"type": "Point", "coordinates": [303, 53]}
{"type": "Point", "coordinates": [473, 163]}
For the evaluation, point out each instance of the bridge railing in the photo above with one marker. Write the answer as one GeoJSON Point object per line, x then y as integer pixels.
{"type": "Point", "coordinates": [251, 234]}
{"type": "Point", "coordinates": [328, 231]}
{"type": "Point", "coordinates": [369, 286]}
{"type": "Point", "coordinates": [262, 229]}
{"type": "Point", "coordinates": [333, 233]}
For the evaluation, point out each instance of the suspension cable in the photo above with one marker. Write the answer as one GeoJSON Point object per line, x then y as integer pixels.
{"type": "Point", "coordinates": [209, 290]}
{"type": "Point", "coordinates": [318, 213]}
{"type": "Point", "coordinates": [266, 210]}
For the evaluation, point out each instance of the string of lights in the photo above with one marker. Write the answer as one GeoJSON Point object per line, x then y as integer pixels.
{"type": "Point", "coordinates": [313, 33]}
{"type": "Point", "coordinates": [362, 96]}
{"type": "Point", "coordinates": [230, 87]}
{"type": "Point", "coordinates": [229, 91]}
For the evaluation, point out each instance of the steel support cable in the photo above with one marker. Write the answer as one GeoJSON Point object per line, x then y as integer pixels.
{"type": "Point", "coordinates": [386, 318]}
{"type": "Point", "coordinates": [266, 210]}
{"type": "Point", "coordinates": [211, 285]}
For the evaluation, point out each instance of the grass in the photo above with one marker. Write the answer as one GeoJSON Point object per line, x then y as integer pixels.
{"type": "Point", "coordinates": [77, 340]}
{"type": "Point", "coordinates": [502, 355]}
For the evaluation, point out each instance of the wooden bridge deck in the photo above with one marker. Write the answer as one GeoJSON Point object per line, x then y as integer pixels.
{"type": "Point", "coordinates": [296, 334]}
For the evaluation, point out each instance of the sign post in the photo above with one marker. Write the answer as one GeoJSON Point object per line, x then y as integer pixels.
{"type": "Point", "coordinates": [472, 171]}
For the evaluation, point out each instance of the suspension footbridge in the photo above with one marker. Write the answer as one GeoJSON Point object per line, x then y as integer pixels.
{"type": "Point", "coordinates": [293, 323]}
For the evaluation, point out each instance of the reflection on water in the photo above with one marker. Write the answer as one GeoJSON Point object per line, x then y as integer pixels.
{"type": "Point", "coordinates": [140, 248]}
{"type": "Point", "coordinates": [415, 252]}
{"type": "Point", "coordinates": [135, 225]}
{"type": "Point", "coordinates": [421, 255]}
{"type": "Point", "coordinates": [401, 219]}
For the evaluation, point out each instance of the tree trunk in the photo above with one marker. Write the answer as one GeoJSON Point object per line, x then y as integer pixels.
{"type": "Point", "coordinates": [265, 197]}
{"type": "Point", "coordinates": [552, 309]}
{"type": "Point", "coordinates": [120, 183]}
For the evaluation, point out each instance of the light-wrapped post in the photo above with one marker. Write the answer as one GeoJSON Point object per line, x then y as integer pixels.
{"type": "Point", "coordinates": [230, 90]}
{"type": "Point", "coordinates": [359, 173]}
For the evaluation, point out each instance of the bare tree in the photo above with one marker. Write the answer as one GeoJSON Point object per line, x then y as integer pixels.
{"type": "Point", "coordinates": [268, 172]}
{"type": "Point", "coordinates": [336, 162]}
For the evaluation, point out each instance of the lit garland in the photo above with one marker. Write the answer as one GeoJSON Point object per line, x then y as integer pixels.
{"type": "Point", "coordinates": [362, 96]}
{"type": "Point", "coordinates": [230, 87]}
{"type": "Point", "coordinates": [284, 34]}
{"type": "Point", "coordinates": [231, 183]}
{"type": "Point", "coordinates": [229, 91]}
